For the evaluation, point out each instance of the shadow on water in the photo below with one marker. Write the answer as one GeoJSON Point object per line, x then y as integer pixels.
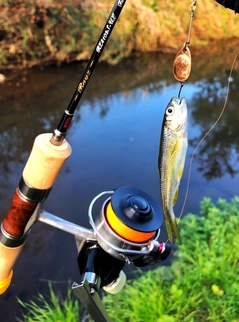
{"type": "Point", "coordinates": [115, 141]}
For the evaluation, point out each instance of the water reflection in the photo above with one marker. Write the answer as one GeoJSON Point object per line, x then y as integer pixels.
{"type": "Point", "coordinates": [35, 105]}
{"type": "Point", "coordinates": [218, 153]}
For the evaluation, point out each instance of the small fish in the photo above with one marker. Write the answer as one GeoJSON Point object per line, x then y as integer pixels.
{"type": "Point", "coordinates": [171, 160]}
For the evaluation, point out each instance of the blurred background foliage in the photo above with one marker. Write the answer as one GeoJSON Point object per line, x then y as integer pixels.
{"type": "Point", "coordinates": [42, 32]}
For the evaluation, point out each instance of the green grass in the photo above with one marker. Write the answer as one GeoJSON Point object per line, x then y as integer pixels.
{"type": "Point", "coordinates": [51, 309]}
{"type": "Point", "coordinates": [201, 284]}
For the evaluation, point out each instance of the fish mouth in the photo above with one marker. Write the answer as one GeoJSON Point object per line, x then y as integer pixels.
{"type": "Point", "coordinates": [179, 102]}
{"type": "Point", "coordinates": [183, 106]}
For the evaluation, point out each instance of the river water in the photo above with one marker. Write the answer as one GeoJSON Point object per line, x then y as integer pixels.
{"type": "Point", "coordinates": [115, 139]}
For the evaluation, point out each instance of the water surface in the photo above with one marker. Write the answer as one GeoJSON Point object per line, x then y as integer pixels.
{"type": "Point", "coordinates": [115, 140]}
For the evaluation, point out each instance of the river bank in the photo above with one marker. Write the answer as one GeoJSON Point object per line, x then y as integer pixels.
{"type": "Point", "coordinates": [52, 32]}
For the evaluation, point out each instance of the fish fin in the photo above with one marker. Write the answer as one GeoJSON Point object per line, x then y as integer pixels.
{"type": "Point", "coordinates": [176, 147]}
{"type": "Point", "coordinates": [172, 228]}
{"type": "Point", "coordinates": [180, 173]}
{"type": "Point", "coordinates": [175, 197]}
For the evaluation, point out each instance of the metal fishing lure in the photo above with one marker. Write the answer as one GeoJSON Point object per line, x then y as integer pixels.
{"type": "Point", "coordinates": [183, 62]}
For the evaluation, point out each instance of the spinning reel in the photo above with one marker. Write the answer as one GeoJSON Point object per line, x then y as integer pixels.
{"type": "Point", "coordinates": [125, 231]}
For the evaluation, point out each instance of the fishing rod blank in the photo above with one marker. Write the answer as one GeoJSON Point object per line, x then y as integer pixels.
{"type": "Point", "coordinates": [48, 155]}
{"type": "Point", "coordinates": [231, 4]}
{"type": "Point", "coordinates": [60, 132]}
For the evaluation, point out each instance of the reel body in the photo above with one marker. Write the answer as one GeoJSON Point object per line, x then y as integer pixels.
{"type": "Point", "coordinates": [126, 230]}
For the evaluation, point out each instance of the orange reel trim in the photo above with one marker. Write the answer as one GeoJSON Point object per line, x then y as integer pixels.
{"type": "Point", "coordinates": [124, 231]}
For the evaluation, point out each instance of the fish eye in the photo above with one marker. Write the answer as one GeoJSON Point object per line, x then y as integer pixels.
{"type": "Point", "coordinates": [169, 110]}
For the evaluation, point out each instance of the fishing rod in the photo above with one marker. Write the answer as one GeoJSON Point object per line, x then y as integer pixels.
{"type": "Point", "coordinates": [48, 155]}
{"type": "Point", "coordinates": [230, 4]}
{"type": "Point", "coordinates": [60, 132]}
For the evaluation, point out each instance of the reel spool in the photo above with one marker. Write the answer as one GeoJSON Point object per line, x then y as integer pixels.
{"type": "Point", "coordinates": [128, 221]}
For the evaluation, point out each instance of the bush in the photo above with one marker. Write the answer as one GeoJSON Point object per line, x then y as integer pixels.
{"type": "Point", "coordinates": [54, 31]}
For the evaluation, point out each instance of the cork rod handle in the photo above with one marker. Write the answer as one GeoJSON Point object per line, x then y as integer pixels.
{"type": "Point", "coordinates": [40, 173]}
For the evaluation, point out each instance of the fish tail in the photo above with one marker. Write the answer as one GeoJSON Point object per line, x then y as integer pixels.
{"type": "Point", "coordinates": [172, 228]}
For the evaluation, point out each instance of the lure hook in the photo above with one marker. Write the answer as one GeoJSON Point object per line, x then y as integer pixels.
{"type": "Point", "coordinates": [180, 89]}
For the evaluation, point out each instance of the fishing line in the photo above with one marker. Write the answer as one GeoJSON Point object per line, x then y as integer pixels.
{"type": "Point", "coordinates": [204, 137]}
{"type": "Point", "coordinates": [193, 8]}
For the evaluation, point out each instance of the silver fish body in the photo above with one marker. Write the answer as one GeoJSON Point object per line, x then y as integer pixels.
{"type": "Point", "coordinates": [171, 160]}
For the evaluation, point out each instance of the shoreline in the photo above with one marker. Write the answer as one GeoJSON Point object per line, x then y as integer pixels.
{"type": "Point", "coordinates": [44, 33]}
